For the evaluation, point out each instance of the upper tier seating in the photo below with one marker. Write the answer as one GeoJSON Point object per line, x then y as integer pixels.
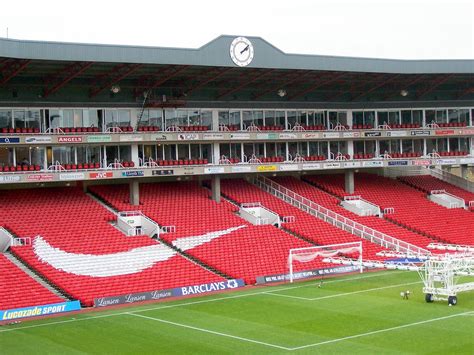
{"type": "Point", "coordinates": [428, 183]}
{"type": "Point", "coordinates": [246, 253]}
{"type": "Point", "coordinates": [72, 222]}
{"type": "Point", "coordinates": [310, 227]}
{"type": "Point", "coordinates": [19, 290]}
{"type": "Point", "coordinates": [330, 202]}
{"type": "Point", "coordinates": [413, 210]}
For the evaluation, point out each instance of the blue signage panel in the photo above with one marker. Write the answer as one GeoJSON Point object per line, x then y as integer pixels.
{"type": "Point", "coordinates": [133, 173]}
{"type": "Point", "coordinates": [210, 287]}
{"type": "Point", "coordinates": [398, 162]}
{"type": "Point", "coordinates": [9, 140]}
{"type": "Point", "coordinates": [39, 310]}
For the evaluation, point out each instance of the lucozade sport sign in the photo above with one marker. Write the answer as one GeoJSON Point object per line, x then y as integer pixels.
{"type": "Point", "coordinates": [36, 311]}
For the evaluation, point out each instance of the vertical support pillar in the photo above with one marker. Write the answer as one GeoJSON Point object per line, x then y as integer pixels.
{"type": "Point", "coordinates": [216, 153]}
{"type": "Point", "coordinates": [215, 120]}
{"type": "Point", "coordinates": [349, 181]}
{"type": "Point", "coordinates": [135, 157]}
{"type": "Point", "coordinates": [134, 192]}
{"type": "Point", "coordinates": [216, 188]}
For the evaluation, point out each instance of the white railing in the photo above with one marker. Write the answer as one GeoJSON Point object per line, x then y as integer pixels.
{"type": "Point", "coordinates": [288, 219]}
{"type": "Point", "coordinates": [56, 167]}
{"type": "Point", "coordinates": [452, 179]}
{"type": "Point", "coordinates": [168, 229]}
{"type": "Point", "coordinates": [336, 219]}
{"type": "Point", "coordinates": [21, 241]}
{"type": "Point", "coordinates": [388, 210]}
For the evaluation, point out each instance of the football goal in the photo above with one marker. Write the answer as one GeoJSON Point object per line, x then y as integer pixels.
{"type": "Point", "coordinates": [351, 251]}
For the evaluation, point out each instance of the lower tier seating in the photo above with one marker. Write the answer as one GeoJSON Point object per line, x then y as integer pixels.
{"type": "Point", "coordinates": [412, 208]}
{"type": "Point", "coordinates": [247, 253]}
{"type": "Point", "coordinates": [19, 290]}
{"type": "Point", "coordinates": [74, 225]}
{"type": "Point", "coordinates": [428, 183]}
{"type": "Point", "coordinates": [309, 227]}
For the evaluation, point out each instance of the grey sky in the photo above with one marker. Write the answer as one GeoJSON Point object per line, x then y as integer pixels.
{"type": "Point", "coordinates": [389, 29]}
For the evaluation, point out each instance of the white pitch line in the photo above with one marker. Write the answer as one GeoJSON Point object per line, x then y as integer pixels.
{"type": "Point", "coordinates": [381, 331]}
{"type": "Point", "coordinates": [210, 331]}
{"type": "Point", "coordinates": [341, 294]}
{"type": "Point", "coordinates": [195, 302]}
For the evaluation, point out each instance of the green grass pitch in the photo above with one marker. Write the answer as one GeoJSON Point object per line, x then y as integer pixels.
{"type": "Point", "coordinates": [355, 314]}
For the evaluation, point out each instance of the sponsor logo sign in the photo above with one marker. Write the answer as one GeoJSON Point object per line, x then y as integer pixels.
{"type": "Point", "coordinates": [263, 168]}
{"type": "Point", "coordinates": [210, 287]}
{"type": "Point", "coordinates": [267, 136]}
{"type": "Point", "coordinates": [310, 135]}
{"type": "Point", "coordinates": [10, 178]}
{"type": "Point", "coordinates": [241, 169]}
{"type": "Point", "coordinates": [397, 134]}
{"type": "Point", "coordinates": [99, 138]}
{"type": "Point", "coordinates": [162, 172]}
{"type": "Point", "coordinates": [331, 135]}
{"type": "Point", "coordinates": [398, 163]}
{"type": "Point", "coordinates": [159, 137]}
{"type": "Point", "coordinates": [213, 136]}
{"type": "Point", "coordinates": [188, 136]}
{"type": "Point", "coordinates": [175, 292]}
{"type": "Point", "coordinates": [133, 173]}
{"type": "Point", "coordinates": [131, 138]}
{"type": "Point", "coordinates": [288, 135]}
{"type": "Point", "coordinates": [444, 132]}
{"type": "Point", "coordinates": [306, 274]}
{"type": "Point", "coordinates": [351, 134]}
{"type": "Point", "coordinates": [101, 175]}
{"type": "Point", "coordinates": [71, 176]}
{"type": "Point", "coordinates": [332, 165]}
{"type": "Point", "coordinates": [420, 133]}
{"type": "Point", "coordinates": [188, 171]}
{"type": "Point", "coordinates": [38, 139]}
{"type": "Point", "coordinates": [9, 140]}
{"type": "Point", "coordinates": [466, 160]}
{"type": "Point", "coordinates": [214, 170]}
{"type": "Point", "coordinates": [132, 298]}
{"type": "Point", "coordinates": [421, 162]}
{"type": "Point", "coordinates": [39, 310]}
{"type": "Point", "coordinates": [373, 134]}
{"type": "Point", "coordinates": [40, 177]}
{"type": "Point", "coordinates": [70, 139]}
{"type": "Point", "coordinates": [352, 164]}
{"type": "Point", "coordinates": [240, 136]}
{"type": "Point", "coordinates": [466, 131]}
{"type": "Point", "coordinates": [446, 161]}
{"type": "Point", "coordinates": [372, 163]}
{"type": "Point", "coordinates": [288, 167]}
{"type": "Point", "coordinates": [311, 166]}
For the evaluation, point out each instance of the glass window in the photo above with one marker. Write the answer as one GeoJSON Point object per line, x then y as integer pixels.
{"type": "Point", "coordinates": [64, 155]}
{"type": "Point", "coordinates": [206, 152]}
{"type": "Point", "coordinates": [90, 118]}
{"type": "Point", "coordinates": [464, 144]}
{"type": "Point", "coordinates": [234, 118]}
{"type": "Point", "coordinates": [183, 151]}
{"type": "Point", "coordinates": [88, 154]}
{"type": "Point", "coordinates": [441, 116]}
{"type": "Point", "coordinates": [6, 119]}
{"type": "Point", "coordinates": [19, 117]}
{"type": "Point", "coordinates": [170, 118]}
{"type": "Point", "coordinates": [407, 145]}
{"type": "Point", "coordinates": [291, 117]}
{"type": "Point", "coordinates": [195, 151]}
{"type": "Point", "coordinates": [170, 151]}
{"type": "Point", "coordinates": [270, 149]}
{"type": "Point", "coordinates": [453, 144]}
{"type": "Point", "coordinates": [281, 150]}
{"type": "Point", "coordinates": [206, 119]}
{"type": "Point", "coordinates": [384, 147]}
{"type": "Point", "coordinates": [195, 118]}
{"type": "Point", "coordinates": [68, 118]}
{"type": "Point", "coordinates": [270, 118]}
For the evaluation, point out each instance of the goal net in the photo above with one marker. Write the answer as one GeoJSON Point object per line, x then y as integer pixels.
{"type": "Point", "coordinates": [351, 250]}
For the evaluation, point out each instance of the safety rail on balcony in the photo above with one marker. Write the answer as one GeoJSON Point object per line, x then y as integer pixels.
{"type": "Point", "coordinates": [451, 179]}
{"type": "Point", "coordinates": [336, 219]}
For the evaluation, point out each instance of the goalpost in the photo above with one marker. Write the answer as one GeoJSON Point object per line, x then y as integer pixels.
{"type": "Point", "coordinates": [305, 255]}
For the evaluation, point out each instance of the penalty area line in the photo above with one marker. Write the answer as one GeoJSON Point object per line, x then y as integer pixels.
{"type": "Point", "coordinates": [381, 331]}
{"type": "Point", "coordinates": [341, 294]}
{"type": "Point", "coordinates": [209, 331]}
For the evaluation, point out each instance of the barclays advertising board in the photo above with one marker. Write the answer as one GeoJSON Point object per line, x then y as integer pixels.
{"type": "Point", "coordinates": [175, 292]}
{"type": "Point", "coordinates": [36, 311]}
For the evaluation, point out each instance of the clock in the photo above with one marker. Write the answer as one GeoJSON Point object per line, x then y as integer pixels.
{"type": "Point", "coordinates": [241, 51]}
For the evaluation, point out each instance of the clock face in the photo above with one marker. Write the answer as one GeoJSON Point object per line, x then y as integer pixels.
{"type": "Point", "coordinates": [241, 51]}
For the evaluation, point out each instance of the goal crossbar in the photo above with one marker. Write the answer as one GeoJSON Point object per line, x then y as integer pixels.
{"type": "Point", "coordinates": [308, 254]}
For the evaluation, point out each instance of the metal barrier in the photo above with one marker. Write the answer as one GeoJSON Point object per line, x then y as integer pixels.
{"type": "Point", "coordinates": [452, 179]}
{"type": "Point", "coordinates": [336, 219]}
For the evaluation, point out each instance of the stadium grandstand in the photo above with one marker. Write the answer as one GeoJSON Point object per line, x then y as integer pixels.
{"type": "Point", "coordinates": [138, 173]}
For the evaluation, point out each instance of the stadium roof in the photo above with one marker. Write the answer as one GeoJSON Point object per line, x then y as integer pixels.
{"type": "Point", "coordinates": [208, 74]}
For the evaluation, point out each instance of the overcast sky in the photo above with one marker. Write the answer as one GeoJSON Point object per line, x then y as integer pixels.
{"type": "Point", "coordinates": [388, 29]}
